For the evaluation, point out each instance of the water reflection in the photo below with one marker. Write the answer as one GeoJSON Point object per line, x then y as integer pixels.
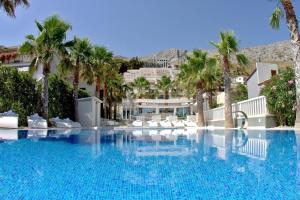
{"type": "Point", "coordinates": [262, 159]}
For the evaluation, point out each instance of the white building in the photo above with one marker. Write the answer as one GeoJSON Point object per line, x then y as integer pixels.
{"type": "Point", "coordinates": [262, 73]}
{"type": "Point", "coordinates": [238, 80]}
{"type": "Point", "coordinates": [151, 74]}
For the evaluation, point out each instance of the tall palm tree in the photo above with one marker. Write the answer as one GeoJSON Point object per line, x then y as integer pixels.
{"type": "Point", "coordinates": [117, 93]}
{"type": "Point", "coordinates": [213, 80]}
{"type": "Point", "coordinates": [165, 84]}
{"type": "Point", "coordinates": [141, 84]}
{"type": "Point", "coordinates": [184, 81]}
{"type": "Point", "coordinates": [45, 49]}
{"type": "Point", "coordinates": [9, 6]}
{"type": "Point", "coordinates": [196, 72]}
{"type": "Point", "coordinates": [285, 9]}
{"type": "Point", "coordinates": [228, 48]}
{"type": "Point", "coordinates": [110, 73]}
{"type": "Point", "coordinates": [78, 61]}
{"type": "Point", "coordinates": [102, 59]}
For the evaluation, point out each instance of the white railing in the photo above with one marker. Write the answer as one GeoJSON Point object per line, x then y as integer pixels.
{"type": "Point", "coordinates": [252, 107]}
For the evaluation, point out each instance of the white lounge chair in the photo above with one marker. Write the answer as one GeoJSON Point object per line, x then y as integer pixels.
{"type": "Point", "coordinates": [66, 123]}
{"type": "Point", "coordinates": [165, 124]}
{"type": "Point", "coordinates": [189, 123]}
{"type": "Point", "coordinates": [178, 124]}
{"type": "Point", "coordinates": [9, 120]}
{"type": "Point", "coordinates": [54, 120]}
{"type": "Point", "coordinates": [152, 123]}
{"type": "Point", "coordinates": [137, 123]}
{"type": "Point", "coordinates": [36, 122]}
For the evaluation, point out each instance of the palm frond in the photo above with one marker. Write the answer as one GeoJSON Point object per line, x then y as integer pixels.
{"type": "Point", "coordinates": [242, 59]}
{"type": "Point", "coordinates": [275, 18]}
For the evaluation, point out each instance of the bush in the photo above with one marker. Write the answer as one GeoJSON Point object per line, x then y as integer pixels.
{"type": "Point", "coordinates": [18, 91]}
{"type": "Point", "coordinates": [239, 93]}
{"type": "Point", "coordinates": [61, 103]}
{"type": "Point", "coordinates": [281, 97]}
{"type": "Point", "coordinates": [21, 93]}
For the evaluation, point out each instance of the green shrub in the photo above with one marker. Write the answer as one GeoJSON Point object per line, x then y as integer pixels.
{"type": "Point", "coordinates": [239, 93]}
{"type": "Point", "coordinates": [281, 97]}
{"type": "Point", "coordinates": [21, 93]}
{"type": "Point", "coordinates": [61, 103]}
{"type": "Point", "coordinates": [18, 91]}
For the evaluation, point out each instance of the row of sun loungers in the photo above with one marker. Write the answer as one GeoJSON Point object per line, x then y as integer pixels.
{"type": "Point", "coordinates": [166, 123]}
{"type": "Point", "coordinates": [10, 120]}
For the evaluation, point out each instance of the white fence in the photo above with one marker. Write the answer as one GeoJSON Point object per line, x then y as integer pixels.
{"type": "Point", "coordinates": [252, 107]}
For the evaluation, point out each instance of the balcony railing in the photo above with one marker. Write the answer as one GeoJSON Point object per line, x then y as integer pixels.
{"type": "Point", "coordinates": [252, 107]}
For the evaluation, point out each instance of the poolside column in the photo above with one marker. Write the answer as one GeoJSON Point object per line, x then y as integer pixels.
{"type": "Point", "coordinates": [157, 110]}
{"type": "Point", "coordinates": [175, 110]}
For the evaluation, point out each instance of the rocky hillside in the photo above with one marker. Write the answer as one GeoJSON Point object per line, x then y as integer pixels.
{"type": "Point", "coordinates": [278, 52]}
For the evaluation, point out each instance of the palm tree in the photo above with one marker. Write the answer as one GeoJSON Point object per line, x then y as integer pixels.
{"type": "Point", "coordinates": [117, 93]}
{"type": "Point", "coordinates": [141, 84]}
{"type": "Point", "coordinates": [197, 71]}
{"type": "Point", "coordinates": [285, 8]}
{"type": "Point", "coordinates": [102, 59]}
{"type": "Point", "coordinates": [9, 6]}
{"type": "Point", "coordinates": [184, 81]}
{"type": "Point", "coordinates": [110, 73]}
{"type": "Point", "coordinates": [78, 62]}
{"type": "Point", "coordinates": [227, 48]}
{"type": "Point", "coordinates": [165, 84]}
{"type": "Point", "coordinates": [45, 49]}
{"type": "Point", "coordinates": [213, 80]}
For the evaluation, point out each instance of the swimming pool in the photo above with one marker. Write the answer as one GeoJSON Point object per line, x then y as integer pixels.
{"type": "Point", "coordinates": [151, 164]}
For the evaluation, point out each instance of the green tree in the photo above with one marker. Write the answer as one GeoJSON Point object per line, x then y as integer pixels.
{"type": "Point", "coordinates": [18, 92]}
{"type": "Point", "coordinates": [117, 91]}
{"type": "Point", "coordinates": [44, 49]}
{"type": "Point", "coordinates": [286, 9]}
{"type": "Point", "coordinates": [227, 48]}
{"type": "Point", "coordinates": [239, 93]}
{"type": "Point", "coordinates": [165, 84]}
{"type": "Point", "coordinates": [102, 59]}
{"type": "Point", "coordinates": [78, 62]}
{"type": "Point", "coordinates": [9, 6]}
{"type": "Point", "coordinates": [133, 63]}
{"type": "Point", "coordinates": [110, 76]}
{"type": "Point", "coordinates": [141, 84]}
{"type": "Point", "coordinates": [196, 73]}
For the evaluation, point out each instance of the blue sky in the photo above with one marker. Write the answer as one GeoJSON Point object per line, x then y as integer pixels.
{"type": "Point", "coordinates": [141, 27]}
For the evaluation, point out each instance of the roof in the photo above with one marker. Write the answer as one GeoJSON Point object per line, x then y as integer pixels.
{"type": "Point", "coordinates": [252, 73]}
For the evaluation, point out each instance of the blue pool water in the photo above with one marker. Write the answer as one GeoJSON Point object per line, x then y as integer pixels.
{"type": "Point", "coordinates": [156, 164]}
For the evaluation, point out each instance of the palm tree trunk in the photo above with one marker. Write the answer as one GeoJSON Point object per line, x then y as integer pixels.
{"type": "Point", "coordinates": [109, 110]}
{"type": "Point", "coordinates": [210, 99]}
{"type": "Point", "coordinates": [98, 87]}
{"type": "Point", "coordinates": [166, 97]}
{"type": "Point", "coordinates": [115, 111]}
{"type": "Point", "coordinates": [105, 100]}
{"type": "Point", "coordinates": [45, 91]}
{"type": "Point", "coordinates": [200, 101]}
{"type": "Point", "coordinates": [75, 93]}
{"type": "Point", "coordinates": [227, 88]}
{"type": "Point", "coordinates": [292, 23]}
